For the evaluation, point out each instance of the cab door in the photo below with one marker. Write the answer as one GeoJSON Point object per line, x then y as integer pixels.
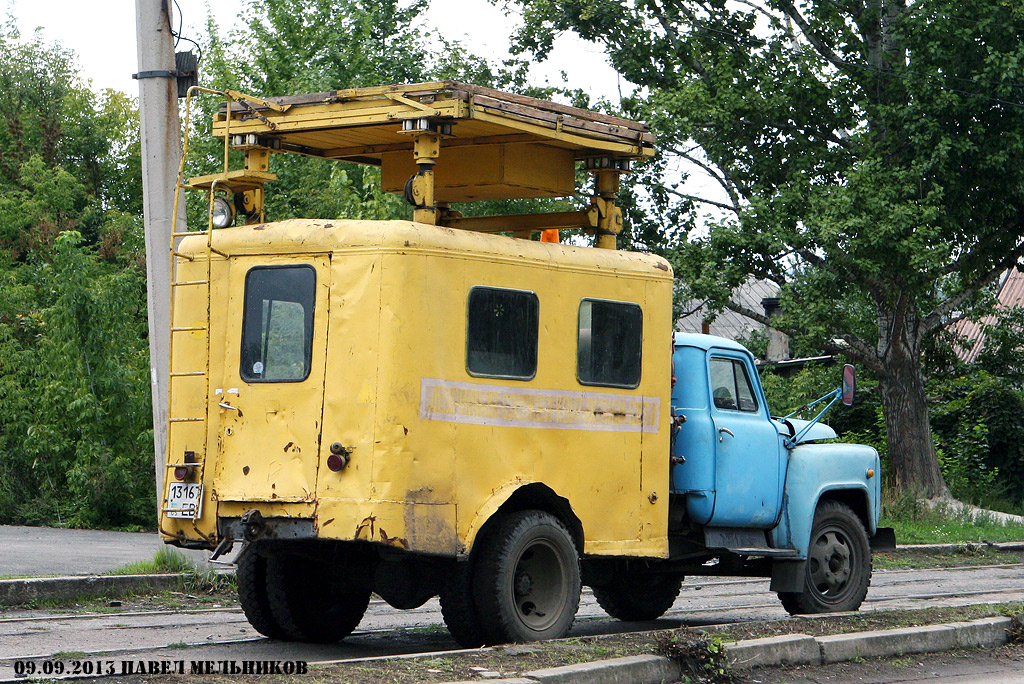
{"type": "Point", "coordinates": [270, 402]}
{"type": "Point", "coordinates": [748, 490]}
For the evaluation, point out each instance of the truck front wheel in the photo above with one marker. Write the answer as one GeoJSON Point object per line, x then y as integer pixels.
{"type": "Point", "coordinates": [638, 596]}
{"type": "Point", "coordinates": [526, 580]}
{"type": "Point", "coordinates": [838, 568]}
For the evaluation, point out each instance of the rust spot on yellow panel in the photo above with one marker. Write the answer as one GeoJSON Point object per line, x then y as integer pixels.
{"type": "Point", "coordinates": [365, 529]}
{"type": "Point", "coordinates": [393, 541]}
{"type": "Point", "coordinates": [245, 470]}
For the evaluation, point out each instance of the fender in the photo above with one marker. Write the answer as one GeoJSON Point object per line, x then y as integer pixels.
{"type": "Point", "coordinates": [814, 471]}
{"type": "Point", "coordinates": [530, 494]}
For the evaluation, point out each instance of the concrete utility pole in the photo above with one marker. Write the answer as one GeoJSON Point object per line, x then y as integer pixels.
{"type": "Point", "coordinates": [161, 155]}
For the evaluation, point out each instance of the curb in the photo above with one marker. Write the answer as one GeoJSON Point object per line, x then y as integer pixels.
{"type": "Point", "coordinates": [14, 592]}
{"type": "Point", "coordinates": [792, 649]}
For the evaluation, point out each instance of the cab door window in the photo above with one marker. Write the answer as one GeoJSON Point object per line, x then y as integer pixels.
{"type": "Point", "coordinates": [730, 386]}
{"type": "Point", "coordinates": [277, 324]}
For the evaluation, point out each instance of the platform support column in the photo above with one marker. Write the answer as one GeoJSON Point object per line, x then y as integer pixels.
{"type": "Point", "coordinates": [420, 189]}
{"type": "Point", "coordinates": [609, 216]}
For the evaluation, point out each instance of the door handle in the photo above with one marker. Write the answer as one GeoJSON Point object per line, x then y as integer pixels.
{"type": "Point", "coordinates": [726, 431]}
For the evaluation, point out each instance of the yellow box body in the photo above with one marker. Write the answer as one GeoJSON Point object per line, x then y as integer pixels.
{"type": "Point", "coordinates": [435, 451]}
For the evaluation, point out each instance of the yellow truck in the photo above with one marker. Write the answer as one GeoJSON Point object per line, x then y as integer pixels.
{"type": "Point", "coordinates": [447, 407]}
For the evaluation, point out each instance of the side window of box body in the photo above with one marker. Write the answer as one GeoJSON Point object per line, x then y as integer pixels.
{"type": "Point", "coordinates": [501, 333]}
{"type": "Point", "coordinates": [609, 343]}
{"type": "Point", "coordinates": [277, 323]}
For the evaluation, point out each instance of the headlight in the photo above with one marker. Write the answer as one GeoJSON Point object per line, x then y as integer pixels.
{"type": "Point", "coordinates": [223, 212]}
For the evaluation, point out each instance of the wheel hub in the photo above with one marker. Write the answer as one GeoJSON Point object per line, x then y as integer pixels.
{"type": "Point", "coordinates": [523, 583]}
{"type": "Point", "coordinates": [830, 563]}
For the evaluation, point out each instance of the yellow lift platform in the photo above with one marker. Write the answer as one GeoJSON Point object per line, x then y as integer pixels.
{"type": "Point", "coordinates": [439, 143]}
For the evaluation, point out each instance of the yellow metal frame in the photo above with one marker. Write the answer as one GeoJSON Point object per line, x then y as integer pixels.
{"type": "Point", "coordinates": [362, 125]}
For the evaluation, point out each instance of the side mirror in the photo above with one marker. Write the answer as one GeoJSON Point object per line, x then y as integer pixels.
{"type": "Point", "coordinates": [849, 384]}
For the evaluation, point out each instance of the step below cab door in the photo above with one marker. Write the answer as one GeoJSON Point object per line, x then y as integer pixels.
{"type": "Point", "coordinates": [270, 402]}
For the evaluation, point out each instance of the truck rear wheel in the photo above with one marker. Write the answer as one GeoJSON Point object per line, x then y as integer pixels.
{"type": "Point", "coordinates": [309, 603]}
{"type": "Point", "coordinates": [526, 582]}
{"type": "Point", "coordinates": [838, 568]}
{"type": "Point", "coordinates": [638, 596]}
{"type": "Point", "coordinates": [251, 575]}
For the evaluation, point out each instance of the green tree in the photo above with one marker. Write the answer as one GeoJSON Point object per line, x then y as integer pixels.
{"type": "Point", "coordinates": [869, 158]}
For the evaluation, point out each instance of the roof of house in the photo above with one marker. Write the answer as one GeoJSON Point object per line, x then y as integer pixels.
{"type": "Point", "coordinates": [728, 323]}
{"type": "Point", "coordinates": [972, 333]}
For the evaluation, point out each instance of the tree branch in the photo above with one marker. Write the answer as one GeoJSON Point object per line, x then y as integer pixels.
{"type": "Point", "coordinates": [713, 203]}
{"type": "Point", "coordinates": [856, 350]}
{"type": "Point", "coordinates": [937, 317]}
{"type": "Point", "coordinates": [814, 39]}
{"type": "Point", "coordinates": [719, 175]}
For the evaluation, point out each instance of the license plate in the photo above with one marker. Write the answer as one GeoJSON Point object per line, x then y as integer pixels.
{"type": "Point", "coordinates": [185, 500]}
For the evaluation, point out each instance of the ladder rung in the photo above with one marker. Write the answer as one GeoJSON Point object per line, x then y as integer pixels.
{"type": "Point", "coordinates": [186, 420]}
{"type": "Point", "coordinates": [183, 465]}
{"type": "Point", "coordinates": [188, 374]}
{"type": "Point", "coordinates": [190, 282]}
{"type": "Point", "coordinates": [189, 232]}
{"type": "Point", "coordinates": [189, 328]}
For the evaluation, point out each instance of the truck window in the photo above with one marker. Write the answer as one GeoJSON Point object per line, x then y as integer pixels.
{"type": "Point", "coordinates": [277, 324]}
{"type": "Point", "coordinates": [608, 347]}
{"type": "Point", "coordinates": [501, 333]}
{"type": "Point", "coordinates": [730, 385]}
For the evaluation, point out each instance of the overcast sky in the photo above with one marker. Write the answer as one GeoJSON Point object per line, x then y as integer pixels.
{"type": "Point", "coordinates": [102, 33]}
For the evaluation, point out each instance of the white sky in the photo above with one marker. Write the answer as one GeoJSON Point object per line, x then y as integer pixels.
{"type": "Point", "coordinates": [102, 33]}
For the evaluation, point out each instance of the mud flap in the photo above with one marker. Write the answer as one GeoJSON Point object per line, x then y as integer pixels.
{"type": "Point", "coordinates": [788, 575]}
{"type": "Point", "coordinates": [884, 539]}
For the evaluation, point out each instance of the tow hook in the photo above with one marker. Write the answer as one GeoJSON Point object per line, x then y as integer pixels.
{"type": "Point", "coordinates": [253, 525]}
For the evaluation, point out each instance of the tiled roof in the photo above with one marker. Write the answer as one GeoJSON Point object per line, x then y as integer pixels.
{"type": "Point", "coordinates": [730, 324]}
{"type": "Point", "coordinates": [1011, 294]}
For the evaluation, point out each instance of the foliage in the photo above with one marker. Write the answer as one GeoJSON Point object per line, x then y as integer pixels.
{"type": "Point", "coordinates": [701, 658]}
{"type": "Point", "coordinates": [978, 421]}
{"type": "Point", "coordinates": [75, 434]}
{"type": "Point", "coordinates": [867, 154]}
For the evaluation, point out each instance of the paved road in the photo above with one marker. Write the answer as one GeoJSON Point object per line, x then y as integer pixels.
{"type": "Point", "coordinates": [224, 634]}
{"type": "Point", "coordinates": [47, 551]}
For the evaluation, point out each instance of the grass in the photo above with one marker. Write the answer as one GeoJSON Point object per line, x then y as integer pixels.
{"type": "Point", "coordinates": [917, 523]}
{"type": "Point", "coordinates": [966, 554]}
{"type": "Point", "coordinates": [166, 561]}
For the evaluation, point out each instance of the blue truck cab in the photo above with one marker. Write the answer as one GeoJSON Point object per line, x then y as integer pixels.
{"type": "Point", "coordinates": [755, 495]}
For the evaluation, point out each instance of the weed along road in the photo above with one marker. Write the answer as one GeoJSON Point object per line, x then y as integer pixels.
{"type": "Point", "coordinates": [224, 634]}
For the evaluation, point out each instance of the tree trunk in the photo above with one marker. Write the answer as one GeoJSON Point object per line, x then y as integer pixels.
{"type": "Point", "coordinates": [908, 429]}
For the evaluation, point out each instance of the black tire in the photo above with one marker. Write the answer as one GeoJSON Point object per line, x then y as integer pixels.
{"type": "Point", "coordinates": [638, 596]}
{"type": "Point", "coordinates": [458, 608]}
{"type": "Point", "coordinates": [526, 580]}
{"type": "Point", "coordinates": [838, 568]}
{"type": "Point", "coordinates": [309, 603]}
{"type": "Point", "coordinates": [251, 574]}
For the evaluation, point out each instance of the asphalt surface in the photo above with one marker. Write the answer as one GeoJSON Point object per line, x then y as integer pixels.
{"type": "Point", "coordinates": [51, 551]}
